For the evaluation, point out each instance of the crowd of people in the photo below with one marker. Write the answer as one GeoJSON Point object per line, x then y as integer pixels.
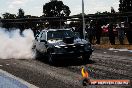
{"type": "Point", "coordinates": [119, 30]}
{"type": "Point", "coordinates": [94, 32]}
{"type": "Point", "coordinates": [123, 29]}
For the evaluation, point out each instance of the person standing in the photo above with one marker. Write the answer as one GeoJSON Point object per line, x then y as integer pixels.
{"type": "Point", "coordinates": [80, 31]}
{"type": "Point", "coordinates": [111, 34]}
{"type": "Point", "coordinates": [98, 32]}
{"type": "Point", "coordinates": [121, 32]}
{"type": "Point", "coordinates": [129, 33]}
{"type": "Point", "coordinates": [91, 33]}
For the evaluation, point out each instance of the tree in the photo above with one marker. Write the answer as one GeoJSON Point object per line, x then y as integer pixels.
{"type": "Point", "coordinates": [8, 16]}
{"type": "Point", "coordinates": [55, 8]}
{"type": "Point", "coordinates": [125, 6]}
{"type": "Point", "coordinates": [21, 13]}
{"type": "Point", "coordinates": [112, 10]}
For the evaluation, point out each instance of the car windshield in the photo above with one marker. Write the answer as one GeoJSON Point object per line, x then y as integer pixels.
{"type": "Point", "coordinates": [60, 34]}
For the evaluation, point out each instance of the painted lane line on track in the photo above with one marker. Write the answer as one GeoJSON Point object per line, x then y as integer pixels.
{"type": "Point", "coordinates": [8, 79]}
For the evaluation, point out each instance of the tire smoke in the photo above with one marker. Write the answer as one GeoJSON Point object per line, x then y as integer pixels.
{"type": "Point", "coordinates": [16, 46]}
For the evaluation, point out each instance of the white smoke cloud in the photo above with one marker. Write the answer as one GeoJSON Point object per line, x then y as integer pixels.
{"type": "Point", "coordinates": [13, 45]}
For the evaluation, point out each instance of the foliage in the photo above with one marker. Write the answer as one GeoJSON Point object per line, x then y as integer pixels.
{"type": "Point", "coordinates": [112, 10]}
{"type": "Point", "coordinates": [125, 6]}
{"type": "Point", "coordinates": [21, 13]}
{"type": "Point", "coordinates": [8, 16]}
{"type": "Point", "coordinates": [56, 8]}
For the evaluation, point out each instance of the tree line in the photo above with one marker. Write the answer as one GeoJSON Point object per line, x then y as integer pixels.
{"type": "Point", "coordinates": [56, 8]}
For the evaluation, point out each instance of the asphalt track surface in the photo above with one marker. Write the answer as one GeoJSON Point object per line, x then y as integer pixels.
{"type": "Point", "coordinates": [67, 72]}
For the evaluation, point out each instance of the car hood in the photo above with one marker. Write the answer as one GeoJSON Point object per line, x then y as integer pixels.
{"type": "Point", "coordinates": [60, 42]}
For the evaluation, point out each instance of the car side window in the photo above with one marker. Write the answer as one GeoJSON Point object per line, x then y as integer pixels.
{"type": "Point", "coordinates": [43, 36]}
{"type": "Point", "coordinates": [38, 37]}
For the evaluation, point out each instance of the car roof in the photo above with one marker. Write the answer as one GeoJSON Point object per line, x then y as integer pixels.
{"type": "Point", "coordinates": [55, 29]}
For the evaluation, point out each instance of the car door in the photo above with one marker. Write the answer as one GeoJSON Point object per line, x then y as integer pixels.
{"type": "Point", "coordinates": [41, 42]}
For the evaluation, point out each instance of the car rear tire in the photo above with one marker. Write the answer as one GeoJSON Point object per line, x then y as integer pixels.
{"type": "Point", "coordinates": [36, 54]}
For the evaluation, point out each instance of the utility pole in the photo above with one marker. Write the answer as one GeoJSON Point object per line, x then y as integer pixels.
{"type": "Point", "coordinates": [83, 19]}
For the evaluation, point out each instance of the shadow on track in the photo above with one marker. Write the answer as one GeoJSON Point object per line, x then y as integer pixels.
{"type": "Point", "coordinates": [59, 62]}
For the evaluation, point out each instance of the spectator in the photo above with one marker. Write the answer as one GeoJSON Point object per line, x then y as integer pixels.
{"type": "Point", "coordinates": [111, 34]}
{"type": "Point", "coordinates": [91, 33]}
{"type": "Point", "coordinates": [129, 33]}
{"type": "Point", "coordinates": [80, 30]}
{"type": "Point", "coordinates": [98, 32]}
{"type": "Point", "coordinates": [121, 33]}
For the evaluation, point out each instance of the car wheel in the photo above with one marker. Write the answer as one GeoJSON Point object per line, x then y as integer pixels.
{"type": "Point", "coordinates": [36, 53]}
{"type": "Point", "coordinates": [85, 58]}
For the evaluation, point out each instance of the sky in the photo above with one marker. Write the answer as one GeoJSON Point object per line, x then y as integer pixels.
{"type": "Point", "coordinates": [35, 7]}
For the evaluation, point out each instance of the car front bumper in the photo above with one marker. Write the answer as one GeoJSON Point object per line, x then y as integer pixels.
{"type": "Point", "coordinates": [73, 53]}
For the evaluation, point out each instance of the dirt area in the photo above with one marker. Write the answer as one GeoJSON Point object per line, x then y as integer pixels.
{"type": "Point", "coordinates": [117, 46]}
{"type": "Point", "coordinates": [105, 44]}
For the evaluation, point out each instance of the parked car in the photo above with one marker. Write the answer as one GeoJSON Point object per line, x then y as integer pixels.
{"type": "Point", "coordinates": [53, 43]}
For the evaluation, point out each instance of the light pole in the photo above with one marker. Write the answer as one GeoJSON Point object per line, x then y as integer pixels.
{"type": "Point", "coordinates": [83, 19]}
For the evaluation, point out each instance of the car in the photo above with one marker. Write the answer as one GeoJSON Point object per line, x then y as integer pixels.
{"type": "Point", "coordinates": [53, 43]}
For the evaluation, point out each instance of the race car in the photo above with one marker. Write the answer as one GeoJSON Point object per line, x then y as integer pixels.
{"type": "Point", "coordinates": [53, 43]}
